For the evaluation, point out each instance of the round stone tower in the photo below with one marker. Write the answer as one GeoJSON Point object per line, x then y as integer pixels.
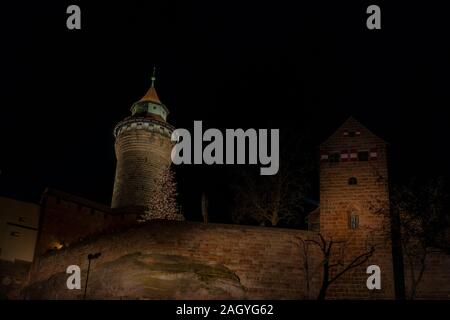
{"type": "Point", "coordinates": [143, 149]}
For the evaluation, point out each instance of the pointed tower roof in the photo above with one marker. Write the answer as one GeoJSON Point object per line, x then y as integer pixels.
{"type": "Point", "coordinates": [151, 94]}
{"type": "Point", "coordinates": [351, 124]}
{"type": "Point", "coordinates": [149, 106]}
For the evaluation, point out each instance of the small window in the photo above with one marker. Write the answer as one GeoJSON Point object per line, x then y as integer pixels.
{"type": "Point", "coordinates": [363, 156]}
{"type": "Point", "coordinates": [15, 234]}
{"type": "Point", "coordinates": [348, 133]}
{"type": "Point", "coordinates": [335, 157]}
{"type": "Point", "coordinates": [353, 221]}
{"type": "Point", "coordinates": [352, 181]}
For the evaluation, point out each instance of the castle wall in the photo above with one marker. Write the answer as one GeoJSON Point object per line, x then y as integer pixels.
{"type": "Point", "coordinates": [66, 219]}
{"type": "Point", "coordinates": [13, 275]}
{"type": "Point", "coordinates": [268, 261]}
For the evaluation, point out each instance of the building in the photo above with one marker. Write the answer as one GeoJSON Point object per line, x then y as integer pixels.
{"type": "Point", "coordinates": [68, 219]}
{"type": "Point", "coordinates": [240, 261]}
{"type": "Point", "coordinates": [18, 233]}
{"type": "Point", "coordinates": [19, 225]}
{"type": "Point", "coordinates": [167, 259]}
{"type": "Point", "coordinates": [143, 147]}
{"type": "Point", "coordinates": [354, 199]}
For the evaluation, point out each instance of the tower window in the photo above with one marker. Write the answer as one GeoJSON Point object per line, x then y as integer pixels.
{"type": "Point", "coordinates": [352, 181]}
{"type": "Point", "coordinates": [353, 221]}
{"type": "Point", "coordinates": [363, 156]}
{"type": "Point", "coordinates": [335, 157]}
{"type": "Point", "coordinates": [352, 133]}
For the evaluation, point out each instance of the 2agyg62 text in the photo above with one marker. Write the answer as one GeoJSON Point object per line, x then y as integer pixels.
{"type": "Point", "coordinates": [226, 309]}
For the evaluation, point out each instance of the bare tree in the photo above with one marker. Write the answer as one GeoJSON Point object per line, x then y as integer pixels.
{"type": "Point", "coordinates": [163, 199]}
{"type": "Point", "coordinates": [310, 270]}
{"type": "Point", "coordinates": [334, 265]}
{"type": "Point", "coordinates": [423, 221]}
{"type": "Point", "coordinates": [276, 199]}
{"type": "Point", "coordinates": [336, 261]}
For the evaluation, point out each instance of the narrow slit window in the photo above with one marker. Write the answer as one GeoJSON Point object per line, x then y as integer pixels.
{"type": "Point", "coordinates": [353, 221]}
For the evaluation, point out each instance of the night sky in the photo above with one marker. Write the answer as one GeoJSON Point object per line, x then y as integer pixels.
{"type": "Point", "coordinates": [307, 66]}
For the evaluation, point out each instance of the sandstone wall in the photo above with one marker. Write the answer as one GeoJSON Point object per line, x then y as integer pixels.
{"type": "Point", "coordinates": [66, 219]}
{"type": "Point", "coordinates": [189, 260]}
{"type": "Point", "coordinates": [13, 275]}
{"type": "Point", "coordinates": [367, 199]}
{"type": "Point", "coordinates": [267, 262]}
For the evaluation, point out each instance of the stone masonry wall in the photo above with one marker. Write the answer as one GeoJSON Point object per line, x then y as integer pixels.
{"type": "Point", "coordinates": [190, 260]}
{"type": "Point", "coordinates": [267, 261]}
{"type": "Point", "coordinates": [65, 221]}
{"type": "Point", "coordinates": [141, 155]}
{"type": "Point", "coordinates": [367, 199]}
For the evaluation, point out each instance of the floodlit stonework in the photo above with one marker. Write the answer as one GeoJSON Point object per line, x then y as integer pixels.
{"type": "Point", "coordinates": [166, 259]}
{"type": "Point", "coordinates": [143, 148]}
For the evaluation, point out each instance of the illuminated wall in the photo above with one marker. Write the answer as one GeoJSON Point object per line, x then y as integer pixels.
{"type": "Point", "coordinates": [18, 229]}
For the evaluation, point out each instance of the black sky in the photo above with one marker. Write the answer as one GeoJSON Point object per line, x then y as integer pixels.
{"type": "Point", "coordinates": [307, 65]}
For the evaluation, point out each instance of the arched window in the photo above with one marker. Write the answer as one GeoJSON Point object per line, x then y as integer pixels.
{"type": "Point", "coordinates": [353, 217]}
{"type": "Point", "coordinates": [352, 181]}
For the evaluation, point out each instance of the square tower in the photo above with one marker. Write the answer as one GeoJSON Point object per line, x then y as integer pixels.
{"type": "Point", "coordinates": [354, 204]}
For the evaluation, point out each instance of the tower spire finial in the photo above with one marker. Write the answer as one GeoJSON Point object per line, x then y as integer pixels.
{"type": "Point", "coordinates": [153, 77]}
